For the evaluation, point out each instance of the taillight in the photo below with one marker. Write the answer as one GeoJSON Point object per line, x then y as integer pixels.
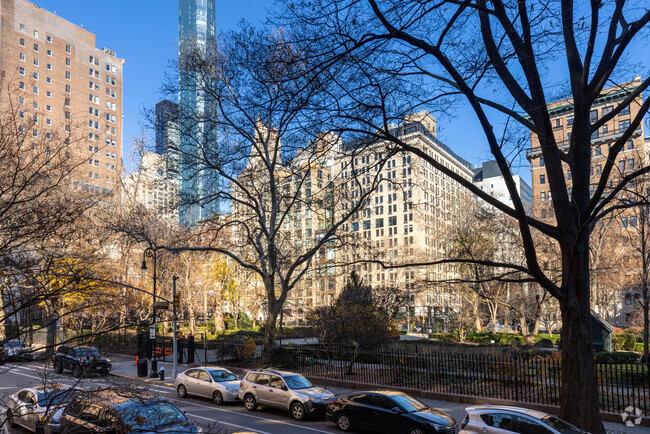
{"type": "Point", "coordinates": [241, 384]}
{"type": "Point", "coordinates": [463, 424]}
{"type": "Point", "coordinates": [331, 401]}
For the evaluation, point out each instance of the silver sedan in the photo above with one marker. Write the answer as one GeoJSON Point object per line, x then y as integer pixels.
{"type": "Point", "coordinates": [218, 384]}
{"type": "Point", "coordinates": [38, 408]}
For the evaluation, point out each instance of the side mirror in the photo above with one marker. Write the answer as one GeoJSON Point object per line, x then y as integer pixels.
{"type": "Point", "coordinates": [285, 388]}
{"type": "Point", "coordinates": [397, 410]}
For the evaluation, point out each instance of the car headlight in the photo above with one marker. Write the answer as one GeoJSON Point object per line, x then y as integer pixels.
{"type": "Point", "coordinates": [231, 390]}
{"type": "Point", "coordinates": [436, 426]}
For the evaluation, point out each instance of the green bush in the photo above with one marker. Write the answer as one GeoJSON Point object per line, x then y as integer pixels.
{"type": "Point", "coordinates": [638, 347]}
{"type": "Point", "coordinates": [623, 341]}
{"type": "Point", "coordinates": [445, 337]}
{"type": "Point", "coordinates": [210, 328]}
{"type": "Point", "coordinates": [616, 357]}
{"type": "Point", "coordinates": [553, 337]}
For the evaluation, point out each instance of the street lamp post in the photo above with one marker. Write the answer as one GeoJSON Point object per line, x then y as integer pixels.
{"type": "Point", "coordinates": [174, 342]}
{"type": "Point", "coordinates": [150, 252]}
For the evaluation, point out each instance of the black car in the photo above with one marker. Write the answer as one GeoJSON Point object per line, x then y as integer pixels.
{"type": "Point", "coordinates": [80, 360]}
{"type": "Point", "coordinates": [115, 412]}
{"type": "Point", "coordinates": [388, 412]}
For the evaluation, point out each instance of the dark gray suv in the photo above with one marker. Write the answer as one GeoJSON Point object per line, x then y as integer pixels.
{"type": "Point", "coordinates": [284, 390]}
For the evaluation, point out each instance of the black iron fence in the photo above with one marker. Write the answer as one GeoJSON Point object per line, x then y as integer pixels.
{"type": "Point", "coordinates": [517, 377]}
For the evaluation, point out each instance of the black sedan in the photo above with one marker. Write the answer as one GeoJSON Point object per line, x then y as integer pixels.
{"type": "Point", "coordinates": [388, 412]}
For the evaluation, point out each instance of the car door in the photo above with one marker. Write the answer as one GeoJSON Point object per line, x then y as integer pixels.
{"type": "Point", "coordinates": [383, 417]}
{"type": "Point", "coordinates": [278, 397]}
{"type": "Point", "coordinates": [190, 382]}
{"type": "Point", "coordinates": [204, 384]}
{"type": "Point", "coordinates": [360, 410]}
{"type": "Point", "coordinates": [262, 390]}
{"type": "Point", "coordinates": [68, 358]}
{"type": "Point", "coordinates": [498, 423]}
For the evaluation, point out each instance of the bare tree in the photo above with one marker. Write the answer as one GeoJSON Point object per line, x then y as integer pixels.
{"type": "Point", "coordinates": [401, 55]}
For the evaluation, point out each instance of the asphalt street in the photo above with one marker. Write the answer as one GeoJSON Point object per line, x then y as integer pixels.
{"type": "Point", "coordinates": [228, 418]}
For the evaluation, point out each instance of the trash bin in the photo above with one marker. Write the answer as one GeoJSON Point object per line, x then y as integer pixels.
{"type": "Point", "coordinates": [154, 368]}
{"type": "Point", "coordinates": [143, 367]}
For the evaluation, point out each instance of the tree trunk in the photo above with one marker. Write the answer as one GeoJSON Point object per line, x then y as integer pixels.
{"type": "Point", "coordinates": [579, 393]}
{"type": "Point", "coordinates": [218, 314]}
{"type": "Point", "coordinates": [271, 320]}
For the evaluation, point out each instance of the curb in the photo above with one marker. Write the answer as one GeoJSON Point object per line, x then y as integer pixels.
{"type": "Point", "coordinates": [144, 380]}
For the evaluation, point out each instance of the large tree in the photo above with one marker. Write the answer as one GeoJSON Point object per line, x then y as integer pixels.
{"type": "Point", "coordinates": [391, 56]}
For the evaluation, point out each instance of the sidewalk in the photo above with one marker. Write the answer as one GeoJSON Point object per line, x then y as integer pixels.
{"type": "Point", "coordinates": [124, 366]}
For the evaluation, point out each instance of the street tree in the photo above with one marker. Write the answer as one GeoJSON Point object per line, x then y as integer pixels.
{"type": "Point", "coordinates": [272, 161]}
{"type": "Point", "coordinates": [392, 56]}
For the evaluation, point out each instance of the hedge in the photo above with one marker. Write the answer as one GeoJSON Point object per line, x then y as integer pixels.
{"type": "Point", "coordinates": [616, 357]}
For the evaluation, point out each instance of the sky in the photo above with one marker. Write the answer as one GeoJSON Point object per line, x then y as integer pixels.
{"type": "Point", "coordinates": [145, 34]}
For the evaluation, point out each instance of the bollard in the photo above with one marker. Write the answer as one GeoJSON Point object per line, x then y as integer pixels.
{"type": "Point", "coordinates": [161, 373]}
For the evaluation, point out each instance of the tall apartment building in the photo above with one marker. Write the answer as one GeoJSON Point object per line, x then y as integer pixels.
{"type": "Point", "coordinates": [409, 218]}
{"type": "Point", "coordinates": [613, 262]}
{"type": "Point", "coordinates": [197, 128]}
{"type": "Point", "coordinates": [154, 187]}
{"type": "Point", "coordinates": [54, 75]}
{"type": "Point", "coordinates": [488, 178]}
{"type": "Point", "coordinates": [166, 116]}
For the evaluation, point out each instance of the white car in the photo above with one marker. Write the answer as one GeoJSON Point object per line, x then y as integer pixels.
{"type": "Point", "coordinates": [218, 384]}
{"type": "Point", "coordinates": [38, 408]}
{"type": "Point", "coordinates": [503, 419]}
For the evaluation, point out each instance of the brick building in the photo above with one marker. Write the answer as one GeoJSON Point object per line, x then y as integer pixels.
{"type": "Point", "coordinates": [55, 79]}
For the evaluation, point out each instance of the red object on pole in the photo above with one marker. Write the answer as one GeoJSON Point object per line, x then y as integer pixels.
{"type": "Point", "coordinates": [136, 360]}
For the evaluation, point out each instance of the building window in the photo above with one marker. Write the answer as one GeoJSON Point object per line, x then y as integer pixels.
{"type": "Point", "coordinates": [49, 53]}
{"type": "Point", "coordinates": [35, 62]}
{"type": "Point", "coordinates": [67, 88]}
{"type": "Point", "coordinates": [541, 162]}
{"type": "Point", "coordinates": [36, 76]}
{"type": "Point", "coordinates": [36, 90]}
{"type": "Point", "coordinates": [558, 122]}
{"type": "Point", "coordinates": [68, 75]}
{"type": "Point", "coordinates": [623, 125]}
{"type": "Point", "coordinates": [542, 179]}
{"type": "Point", "coordinates": [22, 27]}
{"type": "Point", "coordinates": [36, 34]}
{"type": "Point", "coordinates": [49, 38]}
{"type": "Point", "coordinates": [21, 85]}
{"type": "Point", "coordinates": [569, 120]}
{"type": "Point", "coordinates": [542, 196]}
{"type": "Point", "coordinates": [68, 62]}
{"type": "Point", "coordinates": [21, 70]}
{"type": "Point", "coordinates": [621, 165]}
{"type": "Point", "coordinates": [599, 169]}
{"type": "Point", "coordinates": [605, 129]}
{"type": "Point", "coordinates": [597, 151]}
{"type": "Point", "coordinates": [49, 66]}
{"type": "Point", "coordinates": [630, 145]}
{"type": "Point", "coordinates": [630, 163]}
{"type": "Point", "coordinates": [22, 57]}
{"type": "Point", "coordinates": [625, 111]}
{"type": "Point", "coordinates": [593, 116]}
{"type": "Point", "coordinates": [543, 213]}
{"type": "Point", "coordinates": [68, 49]}
{"type": "Point", "coordinates": [36, 47]}
{"type": "Point", "coordinates": [624, 222]}
{"type": "Point", "coordinates": [22, 42]}
{"type": "Point", "coordinates": [633, 221]}
{"type": "Point", "coordinates": [606, 110]}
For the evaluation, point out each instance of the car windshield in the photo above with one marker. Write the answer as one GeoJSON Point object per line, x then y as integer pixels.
{"type": "Point", "coordinates": [297, 382]}
{"type": "Point", "coordinates": [54, 397]}
{"type": "Point", "coordinates": [87, 352]}
{"type": "Point", "coordinates": [560, 425]}
{"type": "Point", "coordinates": [223, 375]}
{"type": "Point", "coordinates": [408, 403]}
{"type": "Point", "coordinates": [149, 416]}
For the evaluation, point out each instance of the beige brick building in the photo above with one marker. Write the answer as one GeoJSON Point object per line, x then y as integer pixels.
{"type": "Point", "coordinates": [61, 85]}
{"type": "Point", "coordinates": [613, 260]}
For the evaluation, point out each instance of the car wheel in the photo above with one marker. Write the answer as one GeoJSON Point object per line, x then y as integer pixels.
{"type": "Point", "coordinates": [10, 418]}
{"type": "Point", "coordinates": [250, 402]}
{"type": "Point", "coordinates": [297, 411]}
{"type": "Point", "coordinates": [343, 422]}
{"type": "Point", "coordinates": [58, 367]}
{"type": "Point", "coordinates": [217, 397]}
{"type": "Point", "coordinates": [416, 430]}
{"type": "Point", "coordinates": [182, 391]}
{"type": "Point", "coordinates": [77, 371]}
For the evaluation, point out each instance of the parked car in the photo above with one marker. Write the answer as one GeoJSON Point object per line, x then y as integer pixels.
{"type": "Point", "coordinates": [216, 383]}
{"type": "Point", "coordinates": [111, 412]}
{"type": "Point", "coordinates": [284, 390]}
{"type": "Point", "coordinates": [80, 360]}
{"type": "Point", "coordinates": [504, 419]}
{"type": "Point", "coordinates": [388, 412]}
{"type": "Point", "coordinates": [38, 408]}
{"type": "Point", "coordinates": [17, 350]}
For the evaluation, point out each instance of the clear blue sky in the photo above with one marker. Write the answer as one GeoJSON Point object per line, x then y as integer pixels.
{"type": "Point", "coordinates": [145, 33]}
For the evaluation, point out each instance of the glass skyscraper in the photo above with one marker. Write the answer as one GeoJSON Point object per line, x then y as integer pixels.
{"type": "Point", "coordinates": [196, 116]}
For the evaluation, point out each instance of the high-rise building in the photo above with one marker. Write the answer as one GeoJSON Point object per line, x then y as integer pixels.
{"type": "Point", "coordinates": [166, 117]}
{"type": "Point", "coordinates": [54, 76]}
{"type": "Point", "coordinates": [154, 187]}
{"type": "Point", "coordinates": [196, 121]}
{"type": "Point", "coordinates": [488, 178]}
{"type": "Point", "coordinates": [614, 259]}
